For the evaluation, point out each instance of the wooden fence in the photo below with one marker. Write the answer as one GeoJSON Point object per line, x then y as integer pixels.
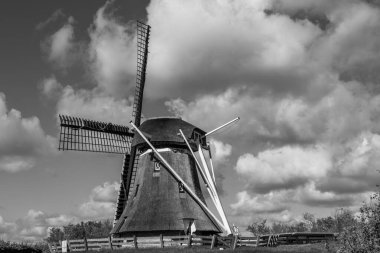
{"type": "Point", "coordinates": [192, 241]}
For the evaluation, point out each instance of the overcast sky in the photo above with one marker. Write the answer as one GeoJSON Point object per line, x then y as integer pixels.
{"type": "Point", "coordinates": [302, 75]}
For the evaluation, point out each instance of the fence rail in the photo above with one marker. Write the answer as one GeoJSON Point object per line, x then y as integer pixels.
{"type": "Point", "coordinates": [211, 242]}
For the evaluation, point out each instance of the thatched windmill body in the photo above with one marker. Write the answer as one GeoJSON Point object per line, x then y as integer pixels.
{"type": "Point", "coordinates": [160, 190]}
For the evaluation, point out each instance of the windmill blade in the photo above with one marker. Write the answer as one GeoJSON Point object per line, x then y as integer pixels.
{"type": "Point", "coordinates": [94, 136]}
{"type": "Point", "coordinates": [130, 164]}
{"type": "Point", "coordinates": [143, 32]}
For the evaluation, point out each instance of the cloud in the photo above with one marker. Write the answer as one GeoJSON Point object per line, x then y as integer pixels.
{"type": "Point", "coordinates": [6, 229]}
{"type": "Point", "coordinates": [300, 74]}
{"type": "Point", "coordinates": [34, 226]}
{"type": "Point", "coordinates": [269, 203]}
{"type": "Point", "coordinates": [16, 163]}
{"type": "Point", "coordinates": [21, 140]}
{"type": "Point", "coordinates": [283, 168]}
{"type": "Point", "coordinates": [60, 47]}
{"type": "Point", "coordinates": [318, 176]}
{"type": "Point", "coordinates": [102, 202]}
{"type": "Point", "coordinates": [54, 17]}
{"type": "Point", "coordinates": [93, 105]}
{"type": "Point", "coordinates": [220, 151]}
{"type": "Point", "coordinates": [199, 47]}
{"type": "Point", "coordinates": [50, 87]}
{"type": "Point", "coordinates": [112, 53]}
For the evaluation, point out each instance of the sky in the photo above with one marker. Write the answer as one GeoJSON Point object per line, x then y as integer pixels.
{"type": "Point", "coordinates": [302, 75]}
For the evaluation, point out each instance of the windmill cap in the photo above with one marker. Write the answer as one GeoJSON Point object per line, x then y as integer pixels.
{"type": "Point", "coordinates": [163, 131]}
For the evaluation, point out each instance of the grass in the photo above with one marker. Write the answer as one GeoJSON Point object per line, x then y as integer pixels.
{"type": "Point", "coordinates": [304, 248]}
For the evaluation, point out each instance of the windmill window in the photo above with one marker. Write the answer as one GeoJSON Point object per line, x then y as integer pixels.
{"type": "Point", "coordinates": [197, 137]}
{"type": "Point", "coordinates": [157, 167]}
{"type": "Point", "coordinates": [181, 188]}
{"type": "Point", "coordinates": [137, 190]}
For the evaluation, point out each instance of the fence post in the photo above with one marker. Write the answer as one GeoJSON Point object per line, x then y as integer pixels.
{"type": "Point", "coordinates": [162, 240]}
{"type": "Point", "coordinates": [84, 236]}
{"type": "Point", "coordinates": [257, 240]}
{"type": "Point", "coordinates": [213, 241]}
{"type": "Point", "coordinates": [189, 241]}
{"type": "Point", "coordinates": [110, 242]}
{"type": "Point", "coordinates": [235, 242]}
{"type": "Point", "coordinates": [135, 241]}
{"type": "Point", "coordinates": [85, 243]}
{"type": "Point", "coordinates": [50, 249]}
{"type": "Point", "coordinates": [68, 245]}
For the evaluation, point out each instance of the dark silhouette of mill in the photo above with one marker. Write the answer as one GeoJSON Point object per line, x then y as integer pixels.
{"type": "Point", "coordinates": [151, 200]}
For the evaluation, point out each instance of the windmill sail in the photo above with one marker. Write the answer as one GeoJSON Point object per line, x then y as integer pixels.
{"type": "Point", "coordinates": [129, 169]}
{"type": "Point", "coordinates": [94, 136]}
{"type": "Point", "coordinates": [143, 32]}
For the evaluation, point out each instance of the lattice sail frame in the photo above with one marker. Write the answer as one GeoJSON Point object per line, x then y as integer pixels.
{"type": "Point", "coordinates": [93, 136]}
{"type": "Point", "coordinates": [143, 33]}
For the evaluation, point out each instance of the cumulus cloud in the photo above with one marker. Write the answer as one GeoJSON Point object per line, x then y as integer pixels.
{"type": "Point", "coordinates": [268, 203]}
{"type": "Point", "coordinates": [16, 163]}
{"type": "Point", "coordinates": [54, 17]}
{"type": "Point", "coordinates": [50, 87]}
{"type": "Point", "coordinates": [60, 46]}
{"type": "Point", "coordinates": [220, 151]}
{"type": "Point", "coordinates": [283, 168]}
{"type": "Point", "coordinates": [102, 201]}
{"type": "Point", "coordinates": [112, 52]}
{"type": "Point", "coordinates": [308, 97]}
{"type": "Point", "coordinates": [300, 74]}
{"type": "Point", "coordinates": [321, 176]}
{"type": "Point", "coordinates": [6, 229]}
{"type": "Point", "coordinates": [34, 226]}
{"type": "Point", "coordinates": [21, 140]}
{"type": "Point", "coordinates": [109, 57]}
{"type": "Point", "coordinates": [93, 105]}
{"type": "Point", "coordinates": [202, 47]}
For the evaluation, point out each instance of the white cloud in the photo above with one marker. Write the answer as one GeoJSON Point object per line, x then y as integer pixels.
{"type": "Point", "coordinates": [199, 47]}
{"type": "Point", "coordinates": [106, 192]}
{"type": "Point", "coordinates": [307, 94]}
{"type": "Point", "coordinates": [54, 17]}
{"type": "Point", "coordinates": [283, 168]}
{"type": "Point", "coordinates": [16, 163]}
{"type": "Point", "coordinates": [34, 226]}
{"type": "Point", "coordinates": [112, 53]}
{"type": "Point", "coordinates": [102, 202]}
{"type": "Point", "coordinates": [21, 140]}
{"type": "Point", "coordinates": [50, 87]}
{"type": "Point", "coordinates": [94, 105]}
{"type": "Point", "coordinates": [220, 151]}
{"type": "Point", "coordinates": [267, 203]}
{"type": "Point", "coordinates": [6, 229]}
{"type": "Point", "coordinates": [60, 46]}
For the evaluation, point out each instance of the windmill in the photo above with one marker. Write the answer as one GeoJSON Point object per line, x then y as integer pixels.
{"type": "Point", "coordinates": [160, 190]}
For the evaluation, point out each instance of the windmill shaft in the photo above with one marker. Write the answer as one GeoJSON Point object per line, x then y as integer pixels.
{"type": "Point", "coordinates": [220, 127]}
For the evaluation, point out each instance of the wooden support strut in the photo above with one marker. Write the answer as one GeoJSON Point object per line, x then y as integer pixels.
{"type": "Point", "coordinates": [178, 178]}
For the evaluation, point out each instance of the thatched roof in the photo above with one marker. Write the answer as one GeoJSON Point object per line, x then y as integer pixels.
{"type": "Point", "coordinates": [164, 131]}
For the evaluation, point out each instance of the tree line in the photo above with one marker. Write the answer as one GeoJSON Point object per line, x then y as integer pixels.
{"type": "Point", "coordinates": [89, 229]}
{"type": "Point", "coordinates": [358, 233]}
{"type": "Point", "coordinates": [333, 224]}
